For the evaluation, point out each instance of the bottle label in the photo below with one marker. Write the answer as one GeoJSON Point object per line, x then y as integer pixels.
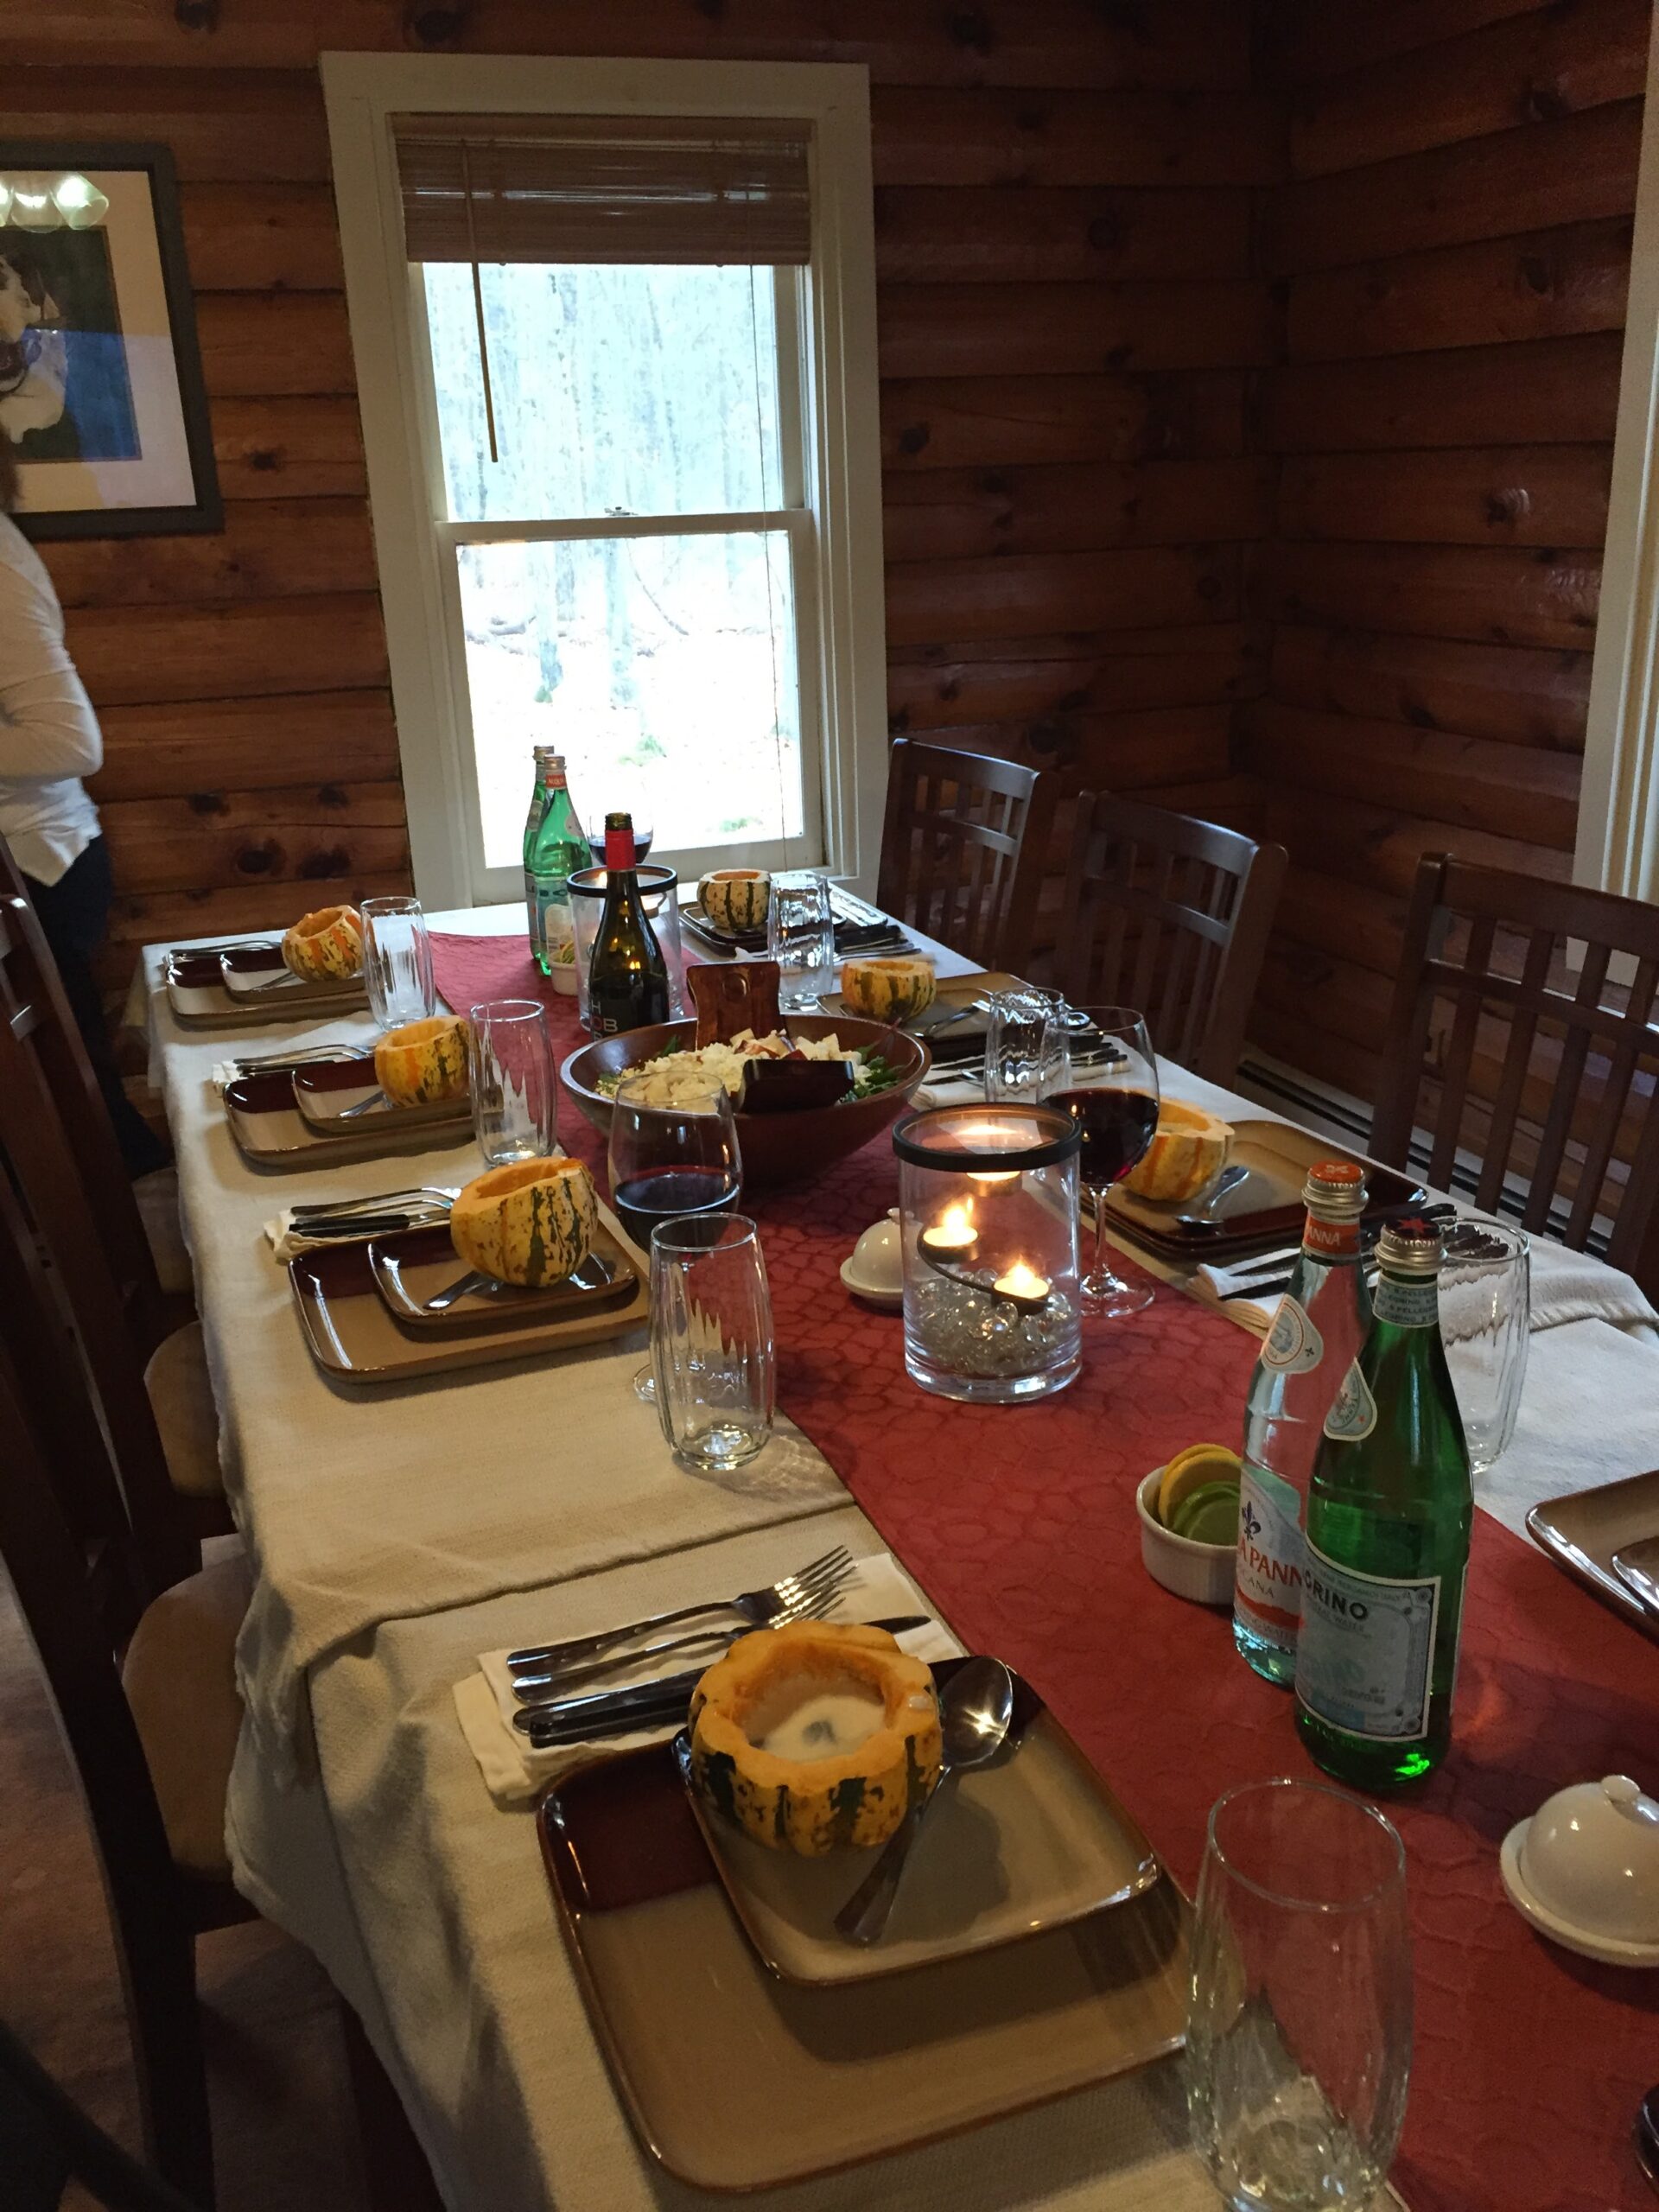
{"type": "Point", "coordinates": [1293, 1345]}
{"type": "Point", "coordinates": [1331, 1240]}
{"type": "Point", "coordinates": [552, 925]}
{"type": "Point", "coordinates": [1406, 1305]}
{"type": "Point", "coordinates": [1354, 1412]}
{"type": "Point", "coordinates": [1365, 1657]}
{"type": "Point", "coordinates": [1267, 1577]}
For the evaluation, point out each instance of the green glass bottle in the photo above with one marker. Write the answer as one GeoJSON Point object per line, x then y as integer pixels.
{"type": "Point", "coordinates": [555, 852]}
{"type": "Point", "coordinates": [539, 797]}
{"type": "Point", "coordinates": [1388, 1514]}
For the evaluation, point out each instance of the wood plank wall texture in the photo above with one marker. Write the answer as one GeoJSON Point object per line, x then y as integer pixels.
{"type": "Point", "coordinates": [1242, 411]}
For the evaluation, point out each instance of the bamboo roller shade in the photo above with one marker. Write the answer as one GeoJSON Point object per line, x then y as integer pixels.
{"type": "Point", "coordinates": [567, 188]}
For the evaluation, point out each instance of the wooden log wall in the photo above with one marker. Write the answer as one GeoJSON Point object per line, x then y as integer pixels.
{"type": "Point", "coordinates": [1452, 242]}
{"type": "Point", "coordinates": [1068, 321]}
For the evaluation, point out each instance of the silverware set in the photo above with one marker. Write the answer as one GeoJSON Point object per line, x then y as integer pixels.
{"type": "Point", "coordinates": [298, 1057]}
{"type": "Point", "coordinates": [423, 1207]}
{"type": "Point", "coordinates": [1267, 1273]}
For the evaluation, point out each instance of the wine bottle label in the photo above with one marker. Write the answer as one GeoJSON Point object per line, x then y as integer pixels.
{"type": "Point", "coordinates": [1293, 1345]}
{"type": "Point", "coordinates": [552, 924]}
{"type": "Point", "coordinates": [1406, 1305]}
{"type": "Point", "coordinates": [1267, 1577]}
{"type": "Point", "coordinates": [1354, 1412]}
{"type": "Point", "coordinates": [1366, 1651]}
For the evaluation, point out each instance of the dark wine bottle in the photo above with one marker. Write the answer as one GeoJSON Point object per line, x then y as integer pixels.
{"type": "Point", "coordinates": [627, 975]}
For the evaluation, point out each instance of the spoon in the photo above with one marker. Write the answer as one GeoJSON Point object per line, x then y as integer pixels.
{"type": "Point", "coordinates": [1229, 1179]}
{"type": "Point", "coordinates": [977, 1712]}
{"type": "Point", "coordinates": [1637, 1568]}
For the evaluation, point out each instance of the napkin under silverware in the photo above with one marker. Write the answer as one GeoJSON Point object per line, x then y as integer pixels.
{"type": "Point", "coordinates": [515, 1773]}
{"type": "Point", "coordinates": [287, 1238]}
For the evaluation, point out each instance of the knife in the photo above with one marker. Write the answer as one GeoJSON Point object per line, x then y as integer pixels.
{"type": "Point", "coordinates": [640, 1705]}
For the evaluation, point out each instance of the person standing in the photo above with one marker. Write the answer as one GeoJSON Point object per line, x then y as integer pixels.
{"type": "Point", "coordinates": [49, 739]}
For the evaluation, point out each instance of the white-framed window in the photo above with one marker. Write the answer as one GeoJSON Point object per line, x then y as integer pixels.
{"type": "Point", "coordinates": [626, 505]}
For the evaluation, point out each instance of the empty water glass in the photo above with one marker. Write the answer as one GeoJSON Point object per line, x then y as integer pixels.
{"type": "Point", "coordinates": [1300, 2004]}
{"type": "Point", "coordinates": [398, 961]}
{"type": "Point", "coordinates": [711, 1342]}
{"type": "Point", "coordinates": [1486, 1327]}
{"type": "Point", "coordinates": [1024, 1046]}
{"type": "Point", "coordinates": [515, 1091]}
{"type": "Point", "coordinates": [801, 937]}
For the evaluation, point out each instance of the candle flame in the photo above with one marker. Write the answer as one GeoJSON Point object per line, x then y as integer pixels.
{"type": "Point", "coordinates": [1022, 1281]}
{"type": "Point", "coordinates": [956, 1221]}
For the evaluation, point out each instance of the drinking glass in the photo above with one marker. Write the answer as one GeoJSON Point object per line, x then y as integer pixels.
{"type": "Point", "coordinates": [801, 937]}
{"type": "Point", "coordinates": [398, 961]}
{"type": "Point", "coordinates": [1024, 1046]}
{"type": "Point", "coordinates": [668, 1161]}
{"type": "Point", "coordinates": [515, 1091]}
{"type": "Point", "coordinates": [1298, 2001]}
{"type": "Point", "coordinates": [1486, 1327]}
{"type": "Point", "coordinates": [711, 1342]}
{"type": "Point", "coordinates": [1109, 1088]}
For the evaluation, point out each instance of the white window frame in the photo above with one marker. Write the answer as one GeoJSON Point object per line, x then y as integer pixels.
{"type": "Point", "coordinates": [836, 527]}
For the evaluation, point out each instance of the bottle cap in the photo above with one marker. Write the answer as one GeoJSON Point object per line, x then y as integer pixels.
{"type": "Point", "coordinates": [1335, 1189]}
{"type": "Point", "coordinates": [1411, 1247]}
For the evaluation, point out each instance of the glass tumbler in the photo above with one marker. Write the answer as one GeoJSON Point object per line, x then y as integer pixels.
{"type": "Point", "coordinates": [1024, 1046]}
{"type": "Point", "coordinates": [711, 1342]}
{"type": "Point", "coordinates": [398, 961]}
{"type": "Point", "coordinates": [1486, 1327]}
{"type": "Point", "coordinates": [515, 1090]}
{"type": "Point", "coordinates": [670, 1161]}
{"type": "Point", "coordinates": [801, 939]}
{"type": "Point", "coordinates": [1299, 2002]}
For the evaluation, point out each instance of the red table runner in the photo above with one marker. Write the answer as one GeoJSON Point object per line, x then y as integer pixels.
{"type": "Point", "coordinates": [1020, 1522]}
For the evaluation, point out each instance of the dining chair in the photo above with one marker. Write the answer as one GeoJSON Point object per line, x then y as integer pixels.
{"type": "Point", "coordinates": [964, 846]}
{"type": "Point", "coordinates": [152, 1744]}
{"type": "Point", "coordinates": [1169, 915]}
{"type": "Point", "coordinates": [46, 2141]}
{"type": "Point", "coordinates": [1523, 1039]}
{"type": "Point", "coordinates": [159, 1411]}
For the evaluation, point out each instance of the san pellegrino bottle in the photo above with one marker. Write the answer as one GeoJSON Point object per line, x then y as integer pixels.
{"type": "Point", "coordinates": [532, 823]}
{"type": "Point", "coordinates": [556, 850]}
{"type": "Point", "coordinates": [1388, 1514]}
{"type": "Point", "coordinates": [1318, 1330]}
{"type": "Point", "coordinates": [627, 975]}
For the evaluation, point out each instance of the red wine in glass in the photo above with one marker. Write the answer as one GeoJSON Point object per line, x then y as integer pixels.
{"type": "Point", "coordinates": [1116, 1127]}
{"type": "Point", "coordinates": [661, 1194]}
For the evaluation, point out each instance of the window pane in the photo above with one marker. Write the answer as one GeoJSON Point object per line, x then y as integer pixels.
{"type": "Point", "coordinates": [625, 391]}
{"type": "Point", "coordinates": [663, 668]}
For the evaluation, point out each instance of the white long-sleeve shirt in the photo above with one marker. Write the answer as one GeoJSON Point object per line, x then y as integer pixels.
{"type": "Point", "coordinates": [49, 735]}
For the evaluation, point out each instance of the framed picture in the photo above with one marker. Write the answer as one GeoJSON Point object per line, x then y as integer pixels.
{"type": "Point", "coordinates": [100, 376]}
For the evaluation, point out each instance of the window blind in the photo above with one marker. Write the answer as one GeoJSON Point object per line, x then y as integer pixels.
{"type": "Point", "coordinates": [598, 188]}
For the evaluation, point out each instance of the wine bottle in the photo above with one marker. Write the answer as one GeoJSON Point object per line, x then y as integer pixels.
{"type": "Point", "coordinates": [1388, 1514]}
{"type": "Point", "coordinates": [627, 975]}
{"type": "Point", "coordinates": [556, 850]}
{"type": "Point", "coordinates": [1319, 1328]}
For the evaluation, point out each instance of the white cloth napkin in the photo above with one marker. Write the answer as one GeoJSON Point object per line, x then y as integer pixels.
{"type": "Point", "coordinates": [514, 1773]}
{"type": "Point", "coordinates": [1589, 1415]}
{"type": "Point", "coordinates": [943, 1089]}
{"type": "Point", "coordinates": [287, 1241]}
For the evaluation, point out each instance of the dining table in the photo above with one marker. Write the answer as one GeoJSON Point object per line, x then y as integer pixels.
{"type": "Point", "coordinates": [397, 1534]}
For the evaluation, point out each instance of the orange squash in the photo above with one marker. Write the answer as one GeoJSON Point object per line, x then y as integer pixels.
{"type": "Point", "coordinates": [1188, 1150]}
{"type": "Point", "coordinates": [327, 946]}
{"type": "Point", "coordinates": [424, 1061]}
{"type": "Point", "coordinates": [888, 990]}
{"type": "Point", "coordinates": [532, 1223]}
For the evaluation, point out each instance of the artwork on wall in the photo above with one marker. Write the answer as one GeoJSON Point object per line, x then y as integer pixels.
{"type": "Point", "coordinates": [100, 376]}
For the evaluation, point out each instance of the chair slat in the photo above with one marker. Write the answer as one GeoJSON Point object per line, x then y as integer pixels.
{"type": "Point", "coordinates": [981, 826]}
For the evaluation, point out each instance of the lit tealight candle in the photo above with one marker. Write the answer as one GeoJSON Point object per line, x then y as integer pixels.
{"type": "Point", "coordinates": [1024, 1287]}
{"type": "Point", "coordinates": [953, 1237]}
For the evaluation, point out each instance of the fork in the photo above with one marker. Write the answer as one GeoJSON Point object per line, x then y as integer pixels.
{"type": "Point", "coordinates": [303, 1056]}
{"type": "Point", "coordinates": [328, 1208]}
{"type": "Point", "coordinates": [761, 1608]}
{"type": "Point", "coordinates": [811, 1606]}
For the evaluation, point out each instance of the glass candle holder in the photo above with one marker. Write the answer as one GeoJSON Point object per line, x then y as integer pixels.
{"type": "Point", "coordinates": [659, 887]}
{"type": "Point", "coordinates": [988, 1198]}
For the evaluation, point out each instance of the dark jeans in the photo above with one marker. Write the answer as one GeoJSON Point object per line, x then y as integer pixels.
{"type": "Point", "coordinates": [72, 913]}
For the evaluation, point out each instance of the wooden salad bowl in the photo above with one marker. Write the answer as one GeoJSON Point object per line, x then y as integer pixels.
{"type": "Point", "coordinates": [776, 1147]}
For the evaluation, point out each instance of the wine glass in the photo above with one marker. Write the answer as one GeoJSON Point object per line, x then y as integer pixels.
{"type": "Point", "coordinates": [671, 1158]}
{"type": "Point", "coordinates": [1299, 2002]}
{"type": "Point", "coordinates": [1109, 1088]}
{"type": "Point", "coordinates": [515, 1091]}
{"type": "Point", "coordinates": [398, 961]}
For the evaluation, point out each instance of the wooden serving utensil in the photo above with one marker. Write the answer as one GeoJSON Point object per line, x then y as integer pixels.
{"type": "Point", "coordinates": [743, 994]}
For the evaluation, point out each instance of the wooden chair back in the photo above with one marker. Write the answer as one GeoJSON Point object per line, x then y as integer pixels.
{"type": "Point", "coordinates": [152, 1929]}
{"type": "Point", "coordinates": [1526, 1057]}
{"type": "Point", "coordinates": [1171, 916]}
{"type": "Point", "coordinates": [36, 1149]}
{"type": "Point", "coordinates": [964, 849]}
{"type": "Point", "coordinates": [32, 1000]}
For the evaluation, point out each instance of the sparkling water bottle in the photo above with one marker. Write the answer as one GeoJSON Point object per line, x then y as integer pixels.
{"type": "Point", "coordinates": [1317, 1333]}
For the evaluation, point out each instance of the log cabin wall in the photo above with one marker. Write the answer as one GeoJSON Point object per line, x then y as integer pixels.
{"type": "Point", "coordinates": [1068, 324]}
{"type": "Point", "coordinates": [1454, 242]}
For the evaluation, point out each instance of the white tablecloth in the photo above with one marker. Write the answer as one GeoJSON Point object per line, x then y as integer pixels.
{"type": "Point", "coordinates": [399, 1534]}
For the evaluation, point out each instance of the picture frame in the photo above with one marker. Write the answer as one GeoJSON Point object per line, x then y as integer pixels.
{"type": "Point", "coordinates": [101, 386]}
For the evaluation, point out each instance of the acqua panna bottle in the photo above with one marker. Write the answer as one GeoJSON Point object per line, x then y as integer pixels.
{"type": "Point", "coordinates": [1316, 1334]}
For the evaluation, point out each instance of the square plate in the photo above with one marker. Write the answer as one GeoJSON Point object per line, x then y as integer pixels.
{"type": "Point", "coordinates": [1582, 1531]}
{"type": "Point", "coordinates": [1265, 1208]}
{"type": "Point", "coordinates": [196, 991]}
{"type": "Point", "coordinates": [353, 1337]}
{"type": "Point", "coordinates": [415, 1264]}
{"type": "Point", "coordinates": [1031, 1842]}
{"type": "Point", "coordinates": [324, 1090]}
{"type": "Point", "coordinates": [271, 1132]}
{"type": "Point", "coordinates": [733, 2080]}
